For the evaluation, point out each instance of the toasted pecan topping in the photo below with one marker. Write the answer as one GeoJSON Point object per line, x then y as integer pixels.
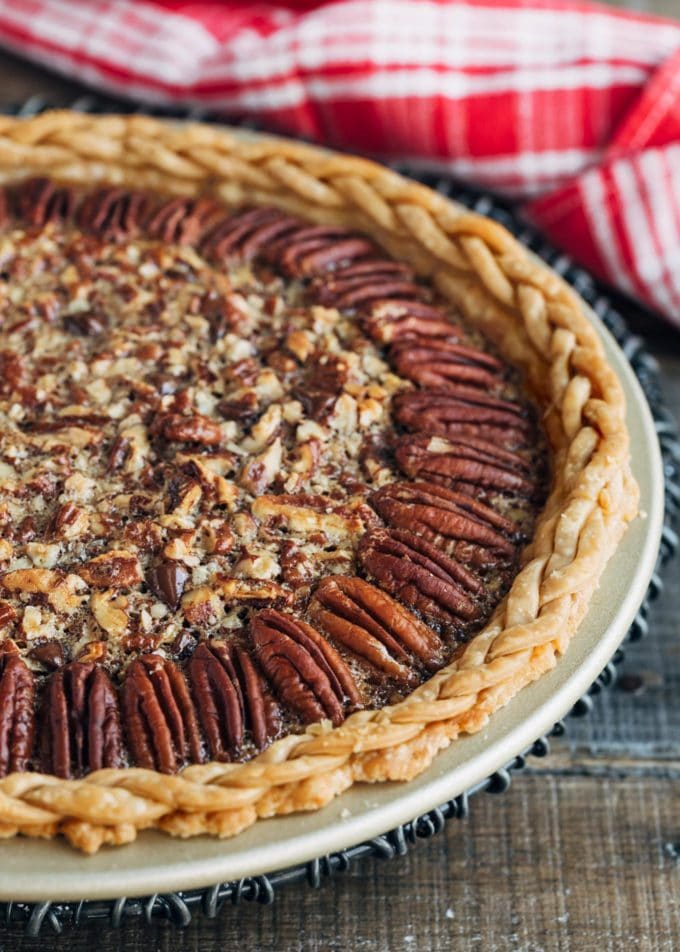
{"type": "Point", "coordinates": [197, 428]}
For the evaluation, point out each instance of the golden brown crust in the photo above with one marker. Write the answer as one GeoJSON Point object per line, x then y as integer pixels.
{"type": "Point", "coordinates": [536, 322]}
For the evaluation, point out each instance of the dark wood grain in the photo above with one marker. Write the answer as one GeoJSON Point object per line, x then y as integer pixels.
{"type": "Point", "coordinates": [583, 852]}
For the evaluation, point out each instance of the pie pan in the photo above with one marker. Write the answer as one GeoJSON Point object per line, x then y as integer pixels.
{"type": "Point", "coordinates": [36, 870]}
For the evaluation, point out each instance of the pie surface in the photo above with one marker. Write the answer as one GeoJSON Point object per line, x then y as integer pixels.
{"type": "Point", "coordinates": [262, 487]}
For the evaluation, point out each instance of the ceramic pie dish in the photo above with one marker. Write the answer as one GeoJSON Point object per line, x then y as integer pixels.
{"type": "Point", "coordinates": [306, 472]}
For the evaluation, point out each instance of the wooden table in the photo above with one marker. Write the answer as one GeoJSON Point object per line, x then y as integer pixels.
{"type": "Point", "coordinates": [583, 852]}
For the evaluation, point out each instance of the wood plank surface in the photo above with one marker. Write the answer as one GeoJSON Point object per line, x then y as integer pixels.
{"type": "Point", "coordinates": [582, 853]}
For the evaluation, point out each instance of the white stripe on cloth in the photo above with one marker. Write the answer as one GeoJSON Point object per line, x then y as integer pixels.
{"type": "Point", "coordinates": [597, 210]}
{"type": "Point", "coordinates": [662, 203]}
{"type": "Point", "coordinates": [640, 234]}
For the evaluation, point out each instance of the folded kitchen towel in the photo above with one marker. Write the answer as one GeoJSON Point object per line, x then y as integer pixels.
{"type": "Point", "coordinates": [571, 107]}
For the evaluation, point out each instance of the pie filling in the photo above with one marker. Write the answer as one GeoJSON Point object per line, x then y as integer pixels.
{"type": "Point", "coordinates": [253, 474]}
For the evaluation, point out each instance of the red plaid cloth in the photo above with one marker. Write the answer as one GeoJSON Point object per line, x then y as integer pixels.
{"type": "Point", "coordinates": [573, 107]}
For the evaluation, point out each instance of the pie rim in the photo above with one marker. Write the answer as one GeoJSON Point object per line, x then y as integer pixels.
{"type": "Point", "coordinates": [536, 322]}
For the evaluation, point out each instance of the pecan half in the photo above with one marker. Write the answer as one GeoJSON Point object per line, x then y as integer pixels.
{"type": "Point", "coordinates": [159, 716]}
{"type": "Point", "coordinates": [466, 465]}
{"type": "Point", "coordinates": [312, 249]}
{"type": "Point", "coordinates": [420, 575]}
{"type": "Point", "coordinates": [464, 411]}
{"type": "Point", "coordinates": [241, 237]}
{"type": "Point", "coordinates": [112, 213]}
{"type": "Point", "coordinates": [374, 626]}
{"type": "Point", "coordinates": [389, 321]}
{"type": "Point", "coordinates": [39, 201]}
{"type": "Point", "coordinates": [361, 282]}
{"type": "Point", "coordinates": [465, 528]}
{"type": "Point", "coordinates": [17, 713]}
{"type": "Point", "coordinates": [307, 673]}
{"type": "Point", "coordinates": [440, 363]}
{"type": "Point", "coordinates": [183, 221]}
{"type": "Point", "coordinates": [79, 721]}
{"type": "Point", "coordinates": [231, 697]}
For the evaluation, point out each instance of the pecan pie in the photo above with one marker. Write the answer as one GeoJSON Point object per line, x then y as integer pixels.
{"type": "Point", "coordinates": [304, 471]}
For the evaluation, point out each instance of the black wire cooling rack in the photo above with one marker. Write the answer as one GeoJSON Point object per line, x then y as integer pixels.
{"type": "Point", "coordinates": [180, 907]}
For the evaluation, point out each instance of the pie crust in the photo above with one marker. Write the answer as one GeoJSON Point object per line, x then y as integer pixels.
{"type": "Point", "coordinates": [534, 321]}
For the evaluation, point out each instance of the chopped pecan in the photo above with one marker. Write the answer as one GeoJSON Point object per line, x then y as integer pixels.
{"type": "Point", "coordinates": [231, 697]}
{"type": "Point", "coordinates": [244, 410]}
{"type": "Point", "coordinates": [86, 323]}
{"type": "Point", "coordinates": [466, 465]}
{"type": "Point", "coordinates": [255, 591]}
{"type": "Point", "coordinates": [307, 673]}
{"type": "Point", "coordinates": [464, 411]}
{"type": "Point", "coordinates": [195, 428]}
{"type": "Point", "coordinates": [420, 575]}
{"type": "Point", "coordinates": [374, 626]}
{"type": "Point", "coordinates": [7, 614]}
{"type": "Point", "coordinates": [79, 721]}
{"type": "Point", "coordinates": [221, 314]}
{"type": "Point", "coordinates": [67, 522]}
{"type": "Point", "coordinates": [49, 653]}
{"type": "Point", "coordinates": [159, 716]}
{"type": "Point", "coordinates": [219, 539]}
{"type": "Point", "coordinates": [440, 363]}
{"type": "Point", "coordinates": [17, 713]}
{"type": "Point", "coordinates": [108, 608]}
{"type": "Point", "coordinates": [117, 568]}
{"type": "Point", "coordinates": [201, 606]}
{"type": "Point", "coordinates": [465, 528]}
{"type": "Point", "coordinates": [167, 581]}
{"type": "Point", "coordinates": [144, 534]}
{"type": "Point", "coordinates": [321, 385]}
{"type": "Point", "coordinates": [261, 469]}
{"type": "Point", "coordinates": [183, 644]}
{"type": "Point", "coordinates": [63, 591]}
{"type": "Point", "coordinates": [92, 651]}
{"type": "Point", "coordinates": [304, 513]}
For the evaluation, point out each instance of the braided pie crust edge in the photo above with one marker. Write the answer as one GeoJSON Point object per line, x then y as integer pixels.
{"type": "Point", "coordinates": [536, 322]}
